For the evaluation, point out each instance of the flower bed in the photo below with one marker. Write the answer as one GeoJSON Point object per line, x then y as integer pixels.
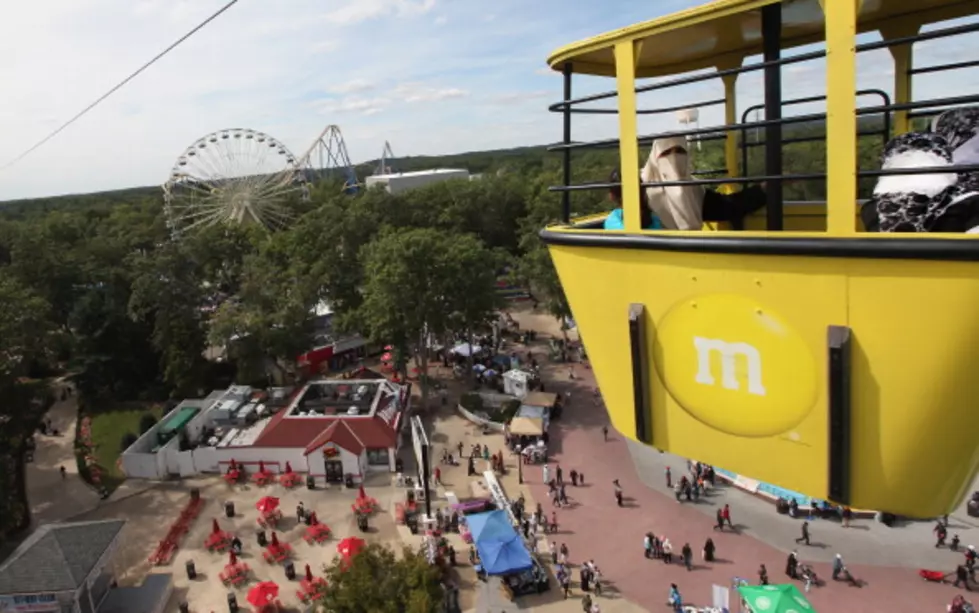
{"type": "Point", "coordinates": [88, 466]}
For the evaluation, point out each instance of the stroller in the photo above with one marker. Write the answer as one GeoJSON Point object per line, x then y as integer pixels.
{"type": "Point", "coordinates": [808, 576]}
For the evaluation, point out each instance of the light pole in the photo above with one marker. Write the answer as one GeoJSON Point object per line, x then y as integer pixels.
{"type": "Point", "coordinates": [690, 116]}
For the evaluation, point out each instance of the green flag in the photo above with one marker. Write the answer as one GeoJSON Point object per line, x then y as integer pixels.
{"type": "Point", "coordinates": [784, 598]}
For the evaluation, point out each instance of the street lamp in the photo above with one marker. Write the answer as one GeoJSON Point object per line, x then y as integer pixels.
{"type": "Point", "coordinates": [690, 116]}
{"type": "Point", "coordinates": [519, 468]}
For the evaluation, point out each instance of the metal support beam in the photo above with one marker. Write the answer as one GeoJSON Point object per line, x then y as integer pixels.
{"type": "Point", "coordinates": [771, 27]}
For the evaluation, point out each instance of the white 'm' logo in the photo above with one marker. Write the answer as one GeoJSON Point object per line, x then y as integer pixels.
{"type": "Point", "coordinates": [729, 353]}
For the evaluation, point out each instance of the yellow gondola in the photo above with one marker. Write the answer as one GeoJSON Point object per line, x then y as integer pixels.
{"type": "Point", "coordinates": [811, 355]}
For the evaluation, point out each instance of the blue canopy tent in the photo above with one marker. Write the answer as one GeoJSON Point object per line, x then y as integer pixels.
{"type": "Point", "coordinates": [501, 550]}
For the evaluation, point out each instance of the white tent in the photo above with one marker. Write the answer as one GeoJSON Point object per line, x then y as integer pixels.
{"type": "Point", "coordinates": [466, 350]}
{"type": "Point", "coordinates": [517, 382]}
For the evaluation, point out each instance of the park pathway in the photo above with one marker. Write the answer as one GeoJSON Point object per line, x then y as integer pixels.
{"type": "Point", "coordinates": [595, 528]}
{"type": "Point", "coordinates": [53, 498]}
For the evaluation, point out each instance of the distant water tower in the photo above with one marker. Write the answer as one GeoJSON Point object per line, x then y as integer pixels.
{"type": "Point", "coordinates": [687, 117]}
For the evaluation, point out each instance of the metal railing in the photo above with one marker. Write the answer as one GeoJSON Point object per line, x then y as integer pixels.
{"type": "Point", "coordinates": [771, 64]}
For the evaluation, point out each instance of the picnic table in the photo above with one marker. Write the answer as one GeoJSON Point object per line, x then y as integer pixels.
{"type": "Point", "coordinates": [263, 478]}
{"type": "Point", "coordinates": [310, 590]}
{"type": "Point", "coordinates": [218, 541]}
{"type": "Point", "coordinates": [235, 574]}
{"type": "Point", "coordinates": [277, 553]}
{"type": "Point", "coordinates": [317, 533]}
{"type": "Point", "coordinates": [270, 518]}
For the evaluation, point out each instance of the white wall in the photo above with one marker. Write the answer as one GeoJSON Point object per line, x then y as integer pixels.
{"type": "Point", "coordinates": [206, 460]}
{"type": "Point", "coordinates": [170, 452]}
{"type": "Point", "coordinates": [140, 465]}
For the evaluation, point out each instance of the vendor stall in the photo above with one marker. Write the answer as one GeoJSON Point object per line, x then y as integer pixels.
{"type": "Point", "coordinates": [501, 550]}
{"type": "Point", "coordinates": [527, 426]}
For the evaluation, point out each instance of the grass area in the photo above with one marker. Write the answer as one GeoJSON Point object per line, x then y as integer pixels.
{"type": "Point", "coordinates": [111, 423]}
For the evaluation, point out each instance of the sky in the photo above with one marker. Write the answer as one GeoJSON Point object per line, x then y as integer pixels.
{"type": "Point", "coordinates": [428, 76]}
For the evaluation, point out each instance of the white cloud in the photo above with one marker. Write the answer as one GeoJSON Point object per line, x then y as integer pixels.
{"type": "Point", "coordinates": [381, 69]}
{"type": "Point", "coordinates": [352, 87]}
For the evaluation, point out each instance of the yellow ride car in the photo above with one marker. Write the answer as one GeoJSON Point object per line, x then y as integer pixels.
{"type": "Point", "coordinates": [799, 351]}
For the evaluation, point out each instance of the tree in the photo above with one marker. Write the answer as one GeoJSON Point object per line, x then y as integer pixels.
{"type": "Point", "coordinates": [24, 325]}
{"type": "Point", "coordinates": [270, 318]}
{"type": "Point", "coordinates": [168, 293]}
{"type": "Point", "coordinates": [415, 288]}
{"type": "Point", "coordinates": [377, 580]}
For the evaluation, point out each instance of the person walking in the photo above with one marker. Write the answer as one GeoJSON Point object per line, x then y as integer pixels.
{"type": "Point", "coordinates": [720, 520]}
{"type": "Point", "coordinates": [805, 534]}
{"type": "Point", "coordinates": [605, 433]}
{"type": "Point", "coordinates": [687, 553]}
{"type": "Point", "coordinates": [726, 514]}
{"type": "Point", "coordinates": [618, 492]}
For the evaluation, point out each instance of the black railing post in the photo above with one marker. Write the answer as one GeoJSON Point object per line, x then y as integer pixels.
{"type": "Point", "coordinates": [771, 27]}
{"type": "Point", "coordinates": [566, 196]}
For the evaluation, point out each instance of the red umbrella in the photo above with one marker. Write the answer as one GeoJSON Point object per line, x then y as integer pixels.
{"type": "Point", "coordinates": [362, 493]}
{"type": "Point", "coordinates": [233, 465]}
{"type": "Point", "coordinates": [313, 520]}
{"type": "Point", "coordinates": [262, 594]}
{"type": "Point", "coordinates": [261, 466]}
{"type": "Point", "coordinates": [215, 528]}
{"type": "Point", "coordinates": [267, 504]}
{"type": "Point", "coordinates": [309, 573]}
{"type": "Point", "coordinates": [388, 348]}
{"type": "Point", "coordinates": [233, 558]}
{"type": "Point", "coordinates": [275, 540]}
{"type": "Point", "coordinates": [288, 467]}
{"type": "Point", "coordinates": [350, 546]}
{"type": "Point", "coordinates": [386, 357]}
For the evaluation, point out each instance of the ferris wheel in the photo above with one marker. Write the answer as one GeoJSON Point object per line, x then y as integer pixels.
{"type": "Point", "coordinates": [233, 176]}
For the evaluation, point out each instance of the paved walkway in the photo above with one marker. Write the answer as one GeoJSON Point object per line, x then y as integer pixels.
{"type": "Point", "coordinates": [595, 528]}
{"type": "Point", "coordinates": [53, 498]}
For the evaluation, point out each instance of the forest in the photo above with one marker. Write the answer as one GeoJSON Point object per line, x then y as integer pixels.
{"type": "Point", "coordinates": [93, 286]}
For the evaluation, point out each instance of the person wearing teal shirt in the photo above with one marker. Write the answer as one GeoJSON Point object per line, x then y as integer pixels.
{"type": "Point", "coordinates": [615, 220]}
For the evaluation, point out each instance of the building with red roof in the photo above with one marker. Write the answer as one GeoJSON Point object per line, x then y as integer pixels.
{"type": "Point", "coordinates": [330, 429]}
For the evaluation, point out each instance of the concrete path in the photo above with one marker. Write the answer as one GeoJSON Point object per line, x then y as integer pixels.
{"type": "Point", "coordinates": [908, 543]}
{"type": "Point", "coordinates": [595, 528]}
{"type": "Point", "coordinates": [53, 498]}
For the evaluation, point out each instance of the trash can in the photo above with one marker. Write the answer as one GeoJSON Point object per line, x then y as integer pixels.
{"type": "Point", "coordinates": [184, 607]}
{"type": "Point", "coordinates": [290, 571]}
{"type": "Point", "coordinates": [310, 482]}
{"type": "Point", "coordinates": [191, 570]}
{"type": "Point", "coordinates": [232, 603]}
{"type": "Point", "coordinates": [229, 509]}
{"type": "Point", "coordinates": [263, 540]}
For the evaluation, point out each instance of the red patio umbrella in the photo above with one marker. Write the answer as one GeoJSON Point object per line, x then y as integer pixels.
{"type": "Point", "coordinates": [233, 465]}
{"type": "Point", "coordinates": [288, 467]}
{"type": "Point", "coordinates": [267, 504]}
{"type": "Point", "coordinates": [215, 528]}
{"type": "Point", "coordinates": [309, 573]}
{"type": "Point", "coordinates": [388, 347]}
{"type": "Point", "coordinates": [386, 357]}
{"type": "Point", "coordinates": [350, 546]}
{"type": "Point", "coordinates": [362, 493]}
{"type": "Point", "coordinates": [313, 520]}
{"type": "Point", "coordinates": [261, 466]}
{"type": "Point", "coordinates": [233, 559]}
{"type": "Point", "coordinates": [264, 593]}
{"type": "Point", "coordinates": [275, 540]}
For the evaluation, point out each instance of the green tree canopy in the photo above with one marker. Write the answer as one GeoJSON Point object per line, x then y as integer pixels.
{"type": "Point", "coordinates": [377, 580]}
